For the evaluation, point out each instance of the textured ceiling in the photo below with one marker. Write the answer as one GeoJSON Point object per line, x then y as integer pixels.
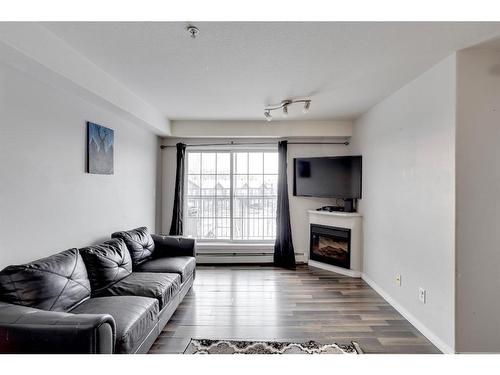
{"type": "Point", "coordinates": [233, 69]}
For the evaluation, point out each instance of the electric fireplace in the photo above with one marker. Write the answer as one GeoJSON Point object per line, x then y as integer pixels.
{"type": "Point", "coordinates": [331, 245]}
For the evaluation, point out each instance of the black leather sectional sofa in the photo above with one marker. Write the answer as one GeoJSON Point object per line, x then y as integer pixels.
{"type": "Point", "coordinates": [114, 297]}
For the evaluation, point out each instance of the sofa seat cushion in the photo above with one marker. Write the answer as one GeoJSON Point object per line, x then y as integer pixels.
{"type": "Point", "coordinates": [162, 286]}
{"type": "Point", "coordinates": [134, 317]}
{"type": "Point", "coordinates": [184, 266]}
{"type": "Point", "coordinates": [139, 242]}
{"type": "Point", "coordinates": [106, 263]}
{"type": "Point", "coordinates": [56, 283]}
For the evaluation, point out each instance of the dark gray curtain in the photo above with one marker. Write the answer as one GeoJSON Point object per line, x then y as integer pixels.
{"type": "Point", "coordinates": [177, 215]}
{"type": "Point", "coordinates": [284, 254]}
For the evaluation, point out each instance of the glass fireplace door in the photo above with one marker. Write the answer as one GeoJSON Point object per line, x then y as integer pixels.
{"type": "Point", "coordinates": [331, 245]}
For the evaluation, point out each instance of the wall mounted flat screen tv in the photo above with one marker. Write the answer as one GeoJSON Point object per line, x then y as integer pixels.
{"type": "Point", "coordinates": [329, 177]}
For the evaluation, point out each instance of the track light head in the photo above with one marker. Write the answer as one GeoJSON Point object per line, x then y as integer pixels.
{"type": "Point", "coordinates": [267, 115]}
{"type": "Point", "coordinates": [285, 110]}
{"type": "Point", "coordinates": [307, 105]}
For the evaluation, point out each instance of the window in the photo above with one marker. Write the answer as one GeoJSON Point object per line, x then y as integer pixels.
{"type": "Point", "coordinates": [231, 195]}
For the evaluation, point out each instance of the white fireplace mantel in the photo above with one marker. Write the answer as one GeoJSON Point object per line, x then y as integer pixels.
{"type": "Point", "coordinates": [348, 220]}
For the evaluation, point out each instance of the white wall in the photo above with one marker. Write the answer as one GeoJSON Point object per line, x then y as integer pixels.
{"type": "Point", "coordinates": [478, 212]}
{"type": "Point", "coordinates": [298, 205]}
{"type": "Point", "coordinates": [32, 48]}
{"type": "Point", "coordinates": [47, 201]}
{"type": "Point", "coordinates": [408, 147]}
{"type": "Point", "coordinates": [256, 129]}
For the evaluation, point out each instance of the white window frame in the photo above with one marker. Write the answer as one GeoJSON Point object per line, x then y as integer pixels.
{"type": "Point", "coordinates": [231, 150]}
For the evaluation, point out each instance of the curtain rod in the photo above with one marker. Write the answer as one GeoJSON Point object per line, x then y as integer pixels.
{"type": "Point", "coordinates": [345, 143]}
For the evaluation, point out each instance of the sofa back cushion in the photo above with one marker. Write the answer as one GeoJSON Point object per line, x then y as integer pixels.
{"type": "Point", "coordinates": [139, 243]}
{"type": "Point", "coordinates": [106, 263]}
{"type": "Point", "coordinates": [56, 283]}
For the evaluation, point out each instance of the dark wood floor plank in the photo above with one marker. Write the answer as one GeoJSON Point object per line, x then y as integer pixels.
{"type": "Point", "coordinates": [267, 303]}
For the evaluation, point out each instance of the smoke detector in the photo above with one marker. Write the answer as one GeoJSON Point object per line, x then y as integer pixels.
{"type": "Point", "coordinates": [193, 31]}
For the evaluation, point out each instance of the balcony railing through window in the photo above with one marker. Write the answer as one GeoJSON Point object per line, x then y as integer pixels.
{"type": "Point", "coordinates": [231, 195]}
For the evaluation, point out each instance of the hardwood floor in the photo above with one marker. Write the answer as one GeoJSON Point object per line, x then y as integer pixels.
{"type": "Point", "coordinates": [267, 303]}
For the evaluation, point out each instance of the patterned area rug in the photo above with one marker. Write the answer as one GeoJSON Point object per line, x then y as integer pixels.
{"type": "Point", "coordinates": [206, 346]}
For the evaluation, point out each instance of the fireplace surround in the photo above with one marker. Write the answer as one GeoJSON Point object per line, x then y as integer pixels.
{"type": "Point", "coordinates": [345, 224]}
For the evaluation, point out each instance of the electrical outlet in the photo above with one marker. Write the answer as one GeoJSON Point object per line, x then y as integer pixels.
{"type": "Point", "coordinates": [398, 279]}
{"type": "Point", "coordinates": [422, 295]}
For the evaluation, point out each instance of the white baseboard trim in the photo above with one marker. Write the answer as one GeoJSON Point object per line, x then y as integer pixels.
{"type": "Point", "coordinates": [329, 267]}
{"type": "Point", "coordinates": [441, 345]}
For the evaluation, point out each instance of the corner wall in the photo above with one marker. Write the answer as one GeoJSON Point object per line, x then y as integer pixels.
{"type": "Point", "coordinates": [298, 205]}
{"type": "Point", "coordinates": [408, 206]}
{"type": "Point", "coordinates": [47, 201]}
{"type": "Point", "coordinates": [478, 211]}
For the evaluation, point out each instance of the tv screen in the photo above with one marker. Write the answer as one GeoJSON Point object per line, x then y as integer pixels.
{"type": "Point", "coordinates": [332, 177]}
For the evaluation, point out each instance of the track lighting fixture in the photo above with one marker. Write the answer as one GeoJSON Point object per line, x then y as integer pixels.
{"type": "Point", "coordinates": [284, 107]}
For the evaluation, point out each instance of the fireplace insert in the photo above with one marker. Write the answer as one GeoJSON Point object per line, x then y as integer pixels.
{"type": "Point", "coordinates": [331, 245]}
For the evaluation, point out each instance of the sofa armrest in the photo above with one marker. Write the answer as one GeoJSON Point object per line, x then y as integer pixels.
{"type": "Point", "coordinates": [171, 246]}
{"type": "Point", "coordinates": [28, 330]}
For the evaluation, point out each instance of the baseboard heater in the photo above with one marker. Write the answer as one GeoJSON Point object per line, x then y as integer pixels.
{"type": "Point", "coordinates": [238, 257]}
